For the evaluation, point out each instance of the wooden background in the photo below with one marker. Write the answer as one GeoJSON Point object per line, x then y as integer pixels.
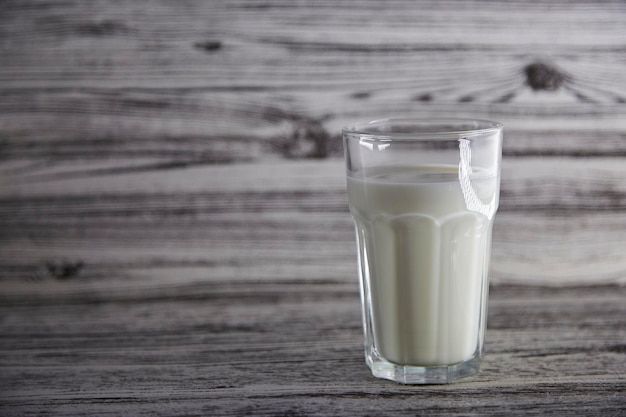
{"type": "Point", "coordinates": [172, 193]}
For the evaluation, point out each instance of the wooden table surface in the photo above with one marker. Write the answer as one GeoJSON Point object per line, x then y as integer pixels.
{"type": "Point", "coordinates": [174, 231]}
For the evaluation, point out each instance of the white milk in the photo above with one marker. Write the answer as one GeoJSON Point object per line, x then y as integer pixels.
{"type": "Point", "coordinates": [424, 236]}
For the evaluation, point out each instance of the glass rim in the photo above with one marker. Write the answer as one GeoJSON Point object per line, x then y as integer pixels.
{"type": "Point", "coordinates": [367, 130]}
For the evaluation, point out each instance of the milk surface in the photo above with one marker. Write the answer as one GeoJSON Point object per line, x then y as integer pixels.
{"type": "Point", "coordinates": [424, 237]}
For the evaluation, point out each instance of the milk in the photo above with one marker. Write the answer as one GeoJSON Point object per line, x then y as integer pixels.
{"type": "Point", "coordinates": [424, 237]}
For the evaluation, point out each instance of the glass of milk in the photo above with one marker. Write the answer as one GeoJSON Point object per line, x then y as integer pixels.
{"type": "Point", "coordinates": [423, 195]}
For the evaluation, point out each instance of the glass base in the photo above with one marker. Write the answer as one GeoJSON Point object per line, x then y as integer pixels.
{"type": "Point", "coordinates": [409, 374]}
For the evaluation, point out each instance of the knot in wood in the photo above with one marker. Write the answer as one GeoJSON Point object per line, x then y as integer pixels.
{"type": "Point", "coordinates": [208, 46]}
{"type": "Point", "coordinates": [307, 139]}
{"type": "Point", "coordinates": [541, 76]}
{"type": "Point", "coordinates": [64, 269]}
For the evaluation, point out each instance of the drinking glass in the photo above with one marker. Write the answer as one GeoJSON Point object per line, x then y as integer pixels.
{"type": "Point", "coordinates": [423, 195]}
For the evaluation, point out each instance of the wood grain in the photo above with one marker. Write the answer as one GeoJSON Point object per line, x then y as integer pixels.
{"type": "Point", "coordinates": [174, 231]}
{"type": "Point", "coordinates": [267, 348]}
{"type": "Point", "coordinates": [224, 69]}
{"type": "Point", "coordinates": [555, 226]}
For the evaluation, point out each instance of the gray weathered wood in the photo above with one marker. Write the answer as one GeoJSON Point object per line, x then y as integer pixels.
{"type": "Point", "coordinates": [174, 233]}
{"type": "Point", "coordinates": [554, 226]}
{"type": "Point", "coordinates": [268, 347]}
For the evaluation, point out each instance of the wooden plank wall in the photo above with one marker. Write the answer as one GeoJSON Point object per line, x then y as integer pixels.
{"type": "Point", "coordinates": [151, 146]}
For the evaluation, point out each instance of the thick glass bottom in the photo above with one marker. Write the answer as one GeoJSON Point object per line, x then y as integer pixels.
{"type": "Point", "coordinates": [409, 374]}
